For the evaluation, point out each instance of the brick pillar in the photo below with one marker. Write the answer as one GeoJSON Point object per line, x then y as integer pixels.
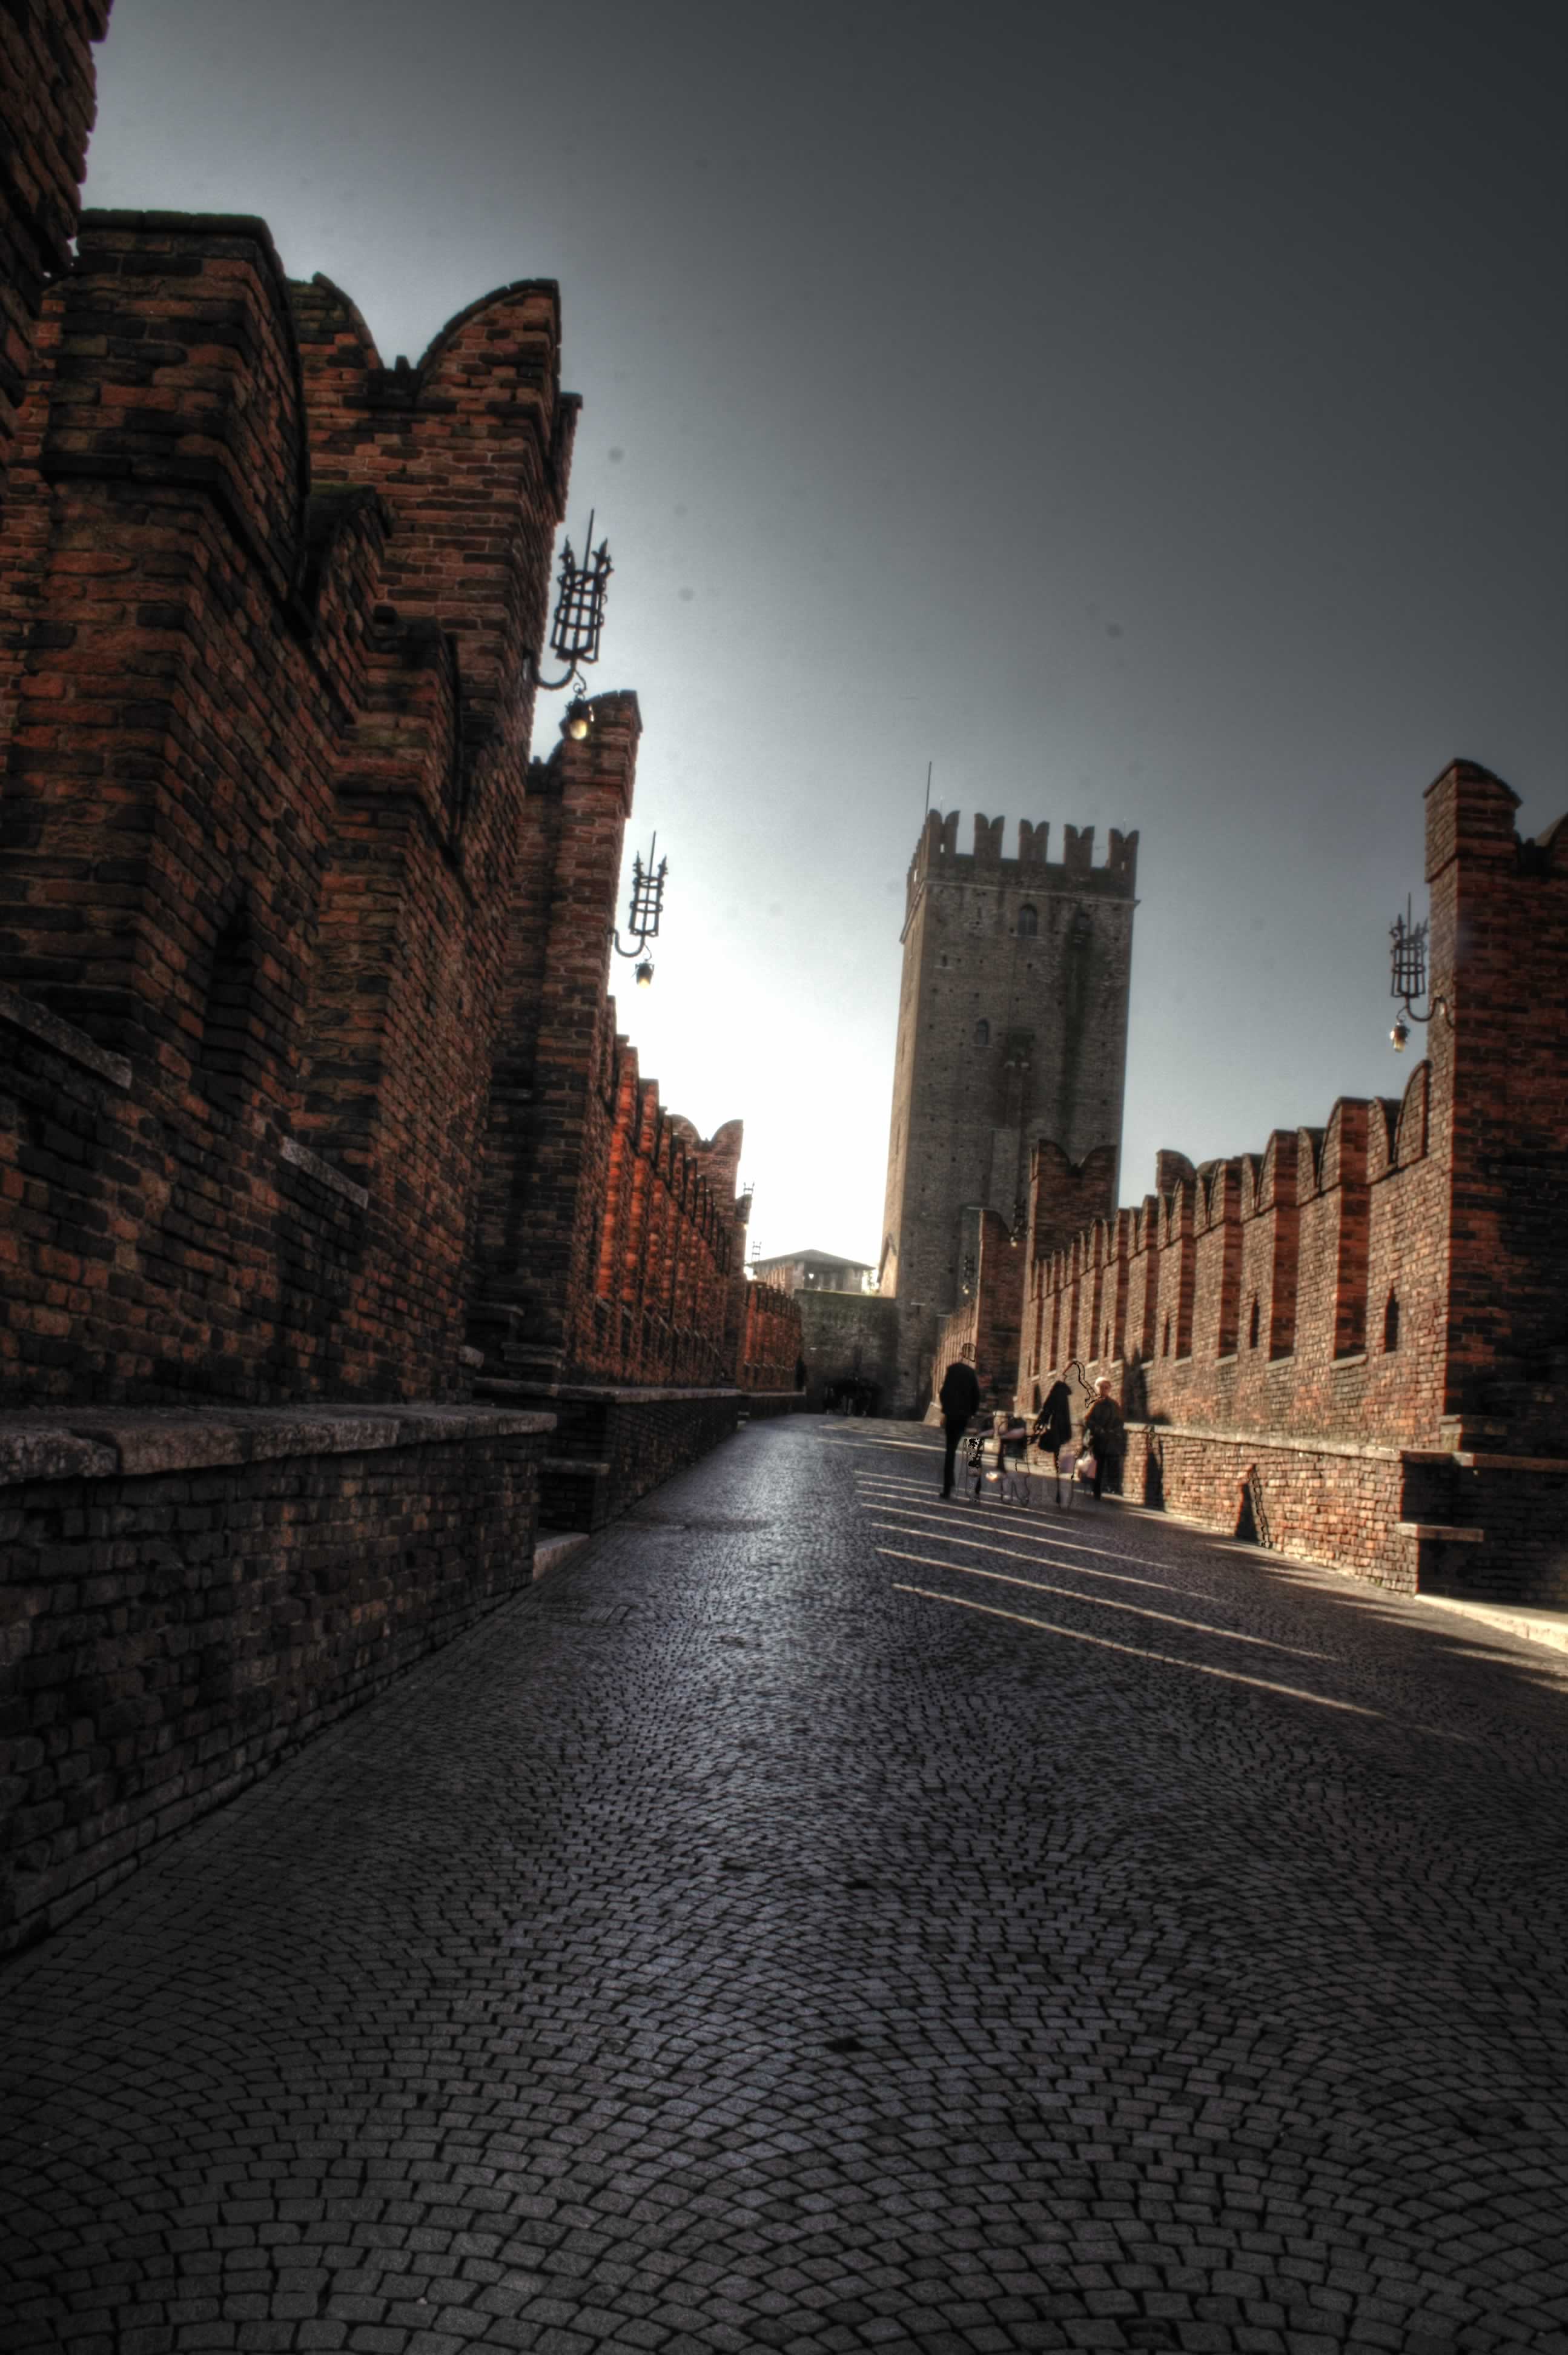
{"type": "Point", "coordinates": [1499, 1107]}
{"type": "Point", "coordinates": [1277, 1204]}
{"type": "Point", "coordinates": [1345, 1181]}
{"type": "Point", "coordinates": [640, 1226]}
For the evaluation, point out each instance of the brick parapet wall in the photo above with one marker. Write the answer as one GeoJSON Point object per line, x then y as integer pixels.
{"type": "Point", "coordinates": [1397, 1277]}
{"type": "Point", "coordinates": [614, 1443]}
{"type": "Point", "coordinates": [771, 1342]}
{"type": "Point", "coordinates": [185, 1597]}
{"type": "Point", "coordinates": [758, 1404]}
{"type": "Point", "coordinates": [609, 1234]}
{"type": "Point", "coordinates": [1256, 1292]}
{"type": "Point", "coordinates": [1339, 1506]}
{"type": "Point", "coordinates": [476, 432]}
{"type": "Point", "coordinates": [260, 820]}
{"type": "Point", "coordinates": [668, 1299]}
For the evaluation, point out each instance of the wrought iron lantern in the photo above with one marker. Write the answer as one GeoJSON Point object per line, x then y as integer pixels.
{"type": "Point", "coordinates": [1407, 961]}
{"type": "Point", "coordinates": [579, 622]}
{"type": "Point", "coordinates": [643, 916]}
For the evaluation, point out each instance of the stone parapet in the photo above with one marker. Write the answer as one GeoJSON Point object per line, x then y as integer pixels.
{"type": "Point", "coordinates": [187, 1597]}
{"type": "Point", "coordinates": [612, 1445]}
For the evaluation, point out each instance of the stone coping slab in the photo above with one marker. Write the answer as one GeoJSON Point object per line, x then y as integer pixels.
{"type": "Point", "coordinates": [1538, 1624]}
{"type": "Point", "coordinates": [550, 1552]}
{"type": "Point", "coordinates": [64, 1038]}
{"type": "Point", "coordinates": [300, 1157]}
{"type": "Point", "coordinates": [1386, 1452]}
{"type": "Point", "coordinates": [103, 1443]}
{"type": "Point", "coordinates": [625, 1394]}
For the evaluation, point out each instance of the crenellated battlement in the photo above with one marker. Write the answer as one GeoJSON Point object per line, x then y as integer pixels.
{"type": "Point", "coordinates": [937, 855]}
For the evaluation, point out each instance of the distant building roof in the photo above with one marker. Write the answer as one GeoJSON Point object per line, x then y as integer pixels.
{"type": "Point", "coordinates": [810, 1259]}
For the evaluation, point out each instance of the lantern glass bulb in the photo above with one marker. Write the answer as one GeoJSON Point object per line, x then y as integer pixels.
{"type": "Point", "coordinates": [645, 973]}
{"type": "Point", "coordinates": [1398, 1036]}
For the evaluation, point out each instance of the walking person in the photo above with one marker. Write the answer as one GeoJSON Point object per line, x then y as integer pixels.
{"type": "Point", "coordinates": [959, 1397]}
{"type": "Point", "coordinates": [1103, 1429]}
{"type": "Point", "coordinates": [1053, 1428]}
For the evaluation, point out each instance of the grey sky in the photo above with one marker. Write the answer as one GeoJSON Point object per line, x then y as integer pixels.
{"type": "Point", "coordinates": [1152, 416]}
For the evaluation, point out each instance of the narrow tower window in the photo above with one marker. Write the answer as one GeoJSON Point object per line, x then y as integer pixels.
{"type": "Point", "coordinates": [225, 1017]}
{"type": "Point", "coordinates": [982, 1032]}
{"type": "Point", "coordinates": [1253, 1325]}
{"type": "Point", "coordinates": [1391, 1322]}
{"type": "Point", "coordinates": [1029, 923]}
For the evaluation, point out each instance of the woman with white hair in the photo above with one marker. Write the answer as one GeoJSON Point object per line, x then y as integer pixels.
{"type": "Point", "coordinates": [1103, 1429]}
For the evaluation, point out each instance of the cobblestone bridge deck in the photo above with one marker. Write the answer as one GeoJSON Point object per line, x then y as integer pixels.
{"type": "Point", "coordinates": [821, 1918]}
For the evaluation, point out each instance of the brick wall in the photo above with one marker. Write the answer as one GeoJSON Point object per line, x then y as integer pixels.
{"type": "Point", "coordinates": [984, 1329]}
{"type": "Point", "coordinates": [1392, 1285]}
{"type": "Point", "coordinates": [188, 1597]}
{"type": "Point", "coordinates": [610, 1233]}
{"type": "Point", "coordinates": [259, 820]}
{"type": "Point", "coordinates": [613, 1445]}
{"type": "Point", "coordinates": [307, 1060]}
{"type": "Point", "coordinates": [770, 1338]}
{"type": "Point", "coordinates": [47, 104]}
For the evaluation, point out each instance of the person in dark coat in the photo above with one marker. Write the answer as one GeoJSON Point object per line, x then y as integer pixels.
{"type": "Point", "coordinates": [1053, 1428]}
{"type": "Point", "coordinates": [959, 1398]}
{"type": "Point", "coordinates": [1103, 1429]}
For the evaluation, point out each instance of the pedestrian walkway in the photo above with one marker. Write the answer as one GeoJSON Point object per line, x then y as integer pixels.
{"type": "Point", "coordinates": [820, 1918]}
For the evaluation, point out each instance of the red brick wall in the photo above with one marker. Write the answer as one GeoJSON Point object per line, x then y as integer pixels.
{"type": "Point", "coordinates": [1499, 954]}
{"type": "Point", "coordinates": [1163, 1298]}
{"type": "Point", "coordinates": [1394, 1285]}
{"type": "Point", "coordinates": [46, 105]}
{"type": "Point", "coordinates": [669, 1300]}
{"type": "Point", "coordinates": [770, 1339]}
{"type": "Point", "coordinates": [984, 1329]}
{"type": "Point", "coordinates": [261, 811]}
{"type": "Point", "coordinates": [610, 1238]}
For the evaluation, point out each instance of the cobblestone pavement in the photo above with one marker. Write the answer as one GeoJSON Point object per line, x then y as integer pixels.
{"type": "Point", "coordinates": [822, 1918]}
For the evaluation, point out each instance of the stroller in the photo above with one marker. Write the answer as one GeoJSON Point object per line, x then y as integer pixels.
{"type": "Point", "coordinates": [998, 1458]}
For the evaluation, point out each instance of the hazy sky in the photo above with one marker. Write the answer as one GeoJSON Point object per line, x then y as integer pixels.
{"type": "Point", "coordinates": [1150, 415]}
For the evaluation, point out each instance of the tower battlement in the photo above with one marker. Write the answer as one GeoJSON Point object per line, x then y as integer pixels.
{"type": "Point", "coordinates": [937, 853]}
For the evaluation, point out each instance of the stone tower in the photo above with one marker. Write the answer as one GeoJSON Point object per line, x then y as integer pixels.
{"type": "Point", "coordinates": [1012, 1028]}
